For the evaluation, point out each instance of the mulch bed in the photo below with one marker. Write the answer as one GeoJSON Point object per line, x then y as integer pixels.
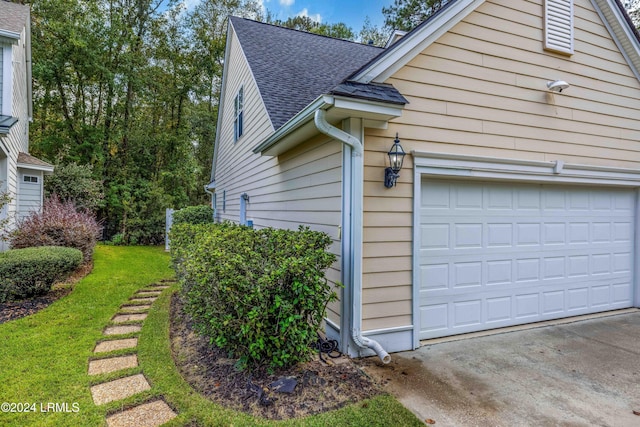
{"type": "Point", "coordinates": [320, 387]}
{"type": "Point", "coordinates": [17, 309]}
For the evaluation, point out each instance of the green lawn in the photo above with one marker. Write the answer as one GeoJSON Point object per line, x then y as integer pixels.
{"type": "Point", "coordinates": [44, 357]}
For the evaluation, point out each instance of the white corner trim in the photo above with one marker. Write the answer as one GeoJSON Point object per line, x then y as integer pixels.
{"type": "Point", "coordinates": [407, 48]}
{"type": "Point", "coordinates": [452, 165]}
{"type": "Point", "coordinates": [6, 83]}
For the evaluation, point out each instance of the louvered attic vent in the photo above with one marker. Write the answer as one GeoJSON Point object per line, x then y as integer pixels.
{"type": "Point", "coordinates": [558, 31]}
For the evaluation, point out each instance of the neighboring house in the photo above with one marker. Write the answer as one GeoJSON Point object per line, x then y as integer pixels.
{"type": "Point", "coordinates": [21, 175]}
{"type": "Point", "coordinates": [518, 199]}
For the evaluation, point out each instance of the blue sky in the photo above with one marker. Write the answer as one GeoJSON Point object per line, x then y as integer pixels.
{"type": "Point", "coordinates": [351, 12]}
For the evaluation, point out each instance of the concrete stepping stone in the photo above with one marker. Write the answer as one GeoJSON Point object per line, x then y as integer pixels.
{"type": "Point", "coordinates": [113, 345]}
{"type": "Point", "coordinates": [146, 295]}
{"type": "Point", "coordinates": [146, 415]}
{"type": "Point", "coordinates": [119, 389]}
{"type": "Point", "coordinates": [134, 308]}
{"type": "Point", "coordinates": [120, 330]}
{"type": "Point", "coordinates": [112, 364]}
{"type": "Point", "coordinates": [140, 301]}
{"type": "Point", "coordinates": [129, 317]}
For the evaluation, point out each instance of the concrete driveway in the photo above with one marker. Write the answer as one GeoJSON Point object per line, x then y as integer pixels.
{"type": "Point", "coordinates": [584, 373]}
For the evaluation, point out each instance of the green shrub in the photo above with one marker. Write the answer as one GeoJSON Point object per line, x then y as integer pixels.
{"type": "Point", "coordinates": [193, 215]}
{"type": "Point", "coordinates": [74, 182]}
{"type": "Point", "coordinates": [32, 271]}
{"type": "Point", "coordinates": [261, 295]}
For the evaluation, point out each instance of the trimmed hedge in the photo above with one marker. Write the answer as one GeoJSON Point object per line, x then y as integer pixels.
{"type": "Point", "coordinates": [261, 295]}
{"type": "Point", "coordinates": [29, 272]}
{"type": "Point", "coordinates": [193, 215]}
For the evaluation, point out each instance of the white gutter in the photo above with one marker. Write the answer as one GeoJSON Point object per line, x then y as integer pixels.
{"type": "Point", "coordinates": [352, 209]}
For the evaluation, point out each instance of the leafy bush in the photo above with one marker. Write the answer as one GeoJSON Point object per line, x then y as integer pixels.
{"type": "Point", "coordinates": [59, 224]}
{"type": "Point", "coordinates": [74, 182]}
{"type": "Point", "coordinates": [261, 295]}
{"type": "Point", "coordinates": [5, 199]}
{"type": "Point", "coordinates": [32, 271]}
{"type": "Point", "coordinates": [193, 215]}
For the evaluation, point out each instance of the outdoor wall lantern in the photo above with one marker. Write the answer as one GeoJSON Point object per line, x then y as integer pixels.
{"type": "Point", "coordinates": [396, 157]}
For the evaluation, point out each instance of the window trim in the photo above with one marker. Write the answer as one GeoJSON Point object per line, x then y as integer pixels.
{"type": "Point", "coordinates": [31, 179]}
{"type": "Point", "coordinates": [238, 114]}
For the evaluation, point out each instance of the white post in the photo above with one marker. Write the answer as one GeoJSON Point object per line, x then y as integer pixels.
{"type": "Point", "coordinates": [168, 223]}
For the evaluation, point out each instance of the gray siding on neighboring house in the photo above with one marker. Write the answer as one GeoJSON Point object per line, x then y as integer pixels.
{"type": "Point", "coordinates": [300, 187]}
{"type": "Point", "coordinates": [29, 193]}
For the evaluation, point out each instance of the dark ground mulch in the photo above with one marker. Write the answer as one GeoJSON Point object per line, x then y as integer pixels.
{"type": "Point", "coordinates": [17, 309]}
{"type": "Point", "coordinates": [320, 387]}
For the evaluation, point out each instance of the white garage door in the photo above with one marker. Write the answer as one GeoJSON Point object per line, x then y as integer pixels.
{"type": "Point", "coordinates": [495, 255]}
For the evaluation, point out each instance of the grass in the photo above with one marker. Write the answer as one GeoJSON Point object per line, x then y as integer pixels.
{"type": "Point", "coordinates": [43, 358]}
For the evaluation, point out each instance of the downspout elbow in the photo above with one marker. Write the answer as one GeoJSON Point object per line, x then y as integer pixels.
{"type": "Point", "coordinates": [320, 119]}
{"type": "Point", "coordinates": [365, 342]}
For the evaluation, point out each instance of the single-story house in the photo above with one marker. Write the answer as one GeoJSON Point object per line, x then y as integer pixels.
{"type": "Point", "coordinates": [517, 200]}
{"type": "Point", "coordinates": [21, 175]}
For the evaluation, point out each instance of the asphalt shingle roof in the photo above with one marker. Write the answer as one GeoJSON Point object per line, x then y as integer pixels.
{"type": "Point", "coordinates": [27, 159]}
{"type": "Point", "coordinates": [13, 16]}
{"type": "Point", "coordinates": [292, 68]}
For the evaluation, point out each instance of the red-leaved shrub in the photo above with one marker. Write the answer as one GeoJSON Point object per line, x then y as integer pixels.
{"type": "Point", "coordinates": [59, 224]}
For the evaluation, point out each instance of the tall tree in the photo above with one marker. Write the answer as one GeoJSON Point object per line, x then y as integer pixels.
{"type": "Point", "coordinates": [372, 34]}
{"type": "Point", "coordinates": [405, 15]}
{"type": "Point", "coordinates": [338, 30]}
{"type": "Point", "coordinates": [633, 8]}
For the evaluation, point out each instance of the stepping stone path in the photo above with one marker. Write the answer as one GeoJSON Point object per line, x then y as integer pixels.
{"type": "Point", "coordinates": [128, 320]}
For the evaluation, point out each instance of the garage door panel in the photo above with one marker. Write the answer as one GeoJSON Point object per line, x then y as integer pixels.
{"type": "Point", "coordinates": [495, 255]}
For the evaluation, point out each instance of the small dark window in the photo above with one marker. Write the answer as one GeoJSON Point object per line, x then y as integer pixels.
{"type": "Point", "coordinates": [29, 178]}
{"type": "Point", "coordinates": [238, 127]}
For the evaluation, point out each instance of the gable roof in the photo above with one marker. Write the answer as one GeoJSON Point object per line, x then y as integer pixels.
{"type": "Point", "coordinates": [13, 18]}
{"type": "Point", "coordinates": [292, 68]}
{"type": "Point", "coordinates": [27, 161]}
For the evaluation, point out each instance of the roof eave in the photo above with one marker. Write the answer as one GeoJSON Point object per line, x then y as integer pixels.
{"type": "Point", "coordinates": [48, 170]}
{"type": "Point", "coordinates": [616, 20]}
{"type": "Point", "coordinates": [302, 127]}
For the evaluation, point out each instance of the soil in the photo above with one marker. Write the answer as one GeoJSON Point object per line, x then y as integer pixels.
{"type": "Point", "coordinates": [13, 310]}
{"type": "Point", "coordinates": [320, 386]}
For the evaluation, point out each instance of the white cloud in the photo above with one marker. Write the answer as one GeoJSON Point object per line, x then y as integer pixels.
{"type": "Point", "coordinates": [287, 3]}
{"type": "Point", "coordinates": [305, 13]}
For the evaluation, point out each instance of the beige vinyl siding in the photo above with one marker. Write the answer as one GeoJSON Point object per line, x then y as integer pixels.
{"type": "Point", "coordinates": [481, 90]}
{"type": "Point", "coordinates": [300, 187]}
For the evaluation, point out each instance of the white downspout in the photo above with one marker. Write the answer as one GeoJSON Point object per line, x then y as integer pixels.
{"type": "Point", "coordinates": [356, 208]}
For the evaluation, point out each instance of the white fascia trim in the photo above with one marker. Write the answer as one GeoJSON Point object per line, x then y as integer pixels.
{"type": "Point", "coordinates": [292, 125]}
{"type": "Point", "coordinates": [46, 169]}
{"type": "Point", "coordinates": [619, 30]}
{"type": "Point", "coordinates": [415, 42]}
{"type": "Point", "coordinates": [454, 165]}
{"type": "Point", "coordinates": [365, 106]}
{"type": "Point", "coordinates": [225, 72]}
